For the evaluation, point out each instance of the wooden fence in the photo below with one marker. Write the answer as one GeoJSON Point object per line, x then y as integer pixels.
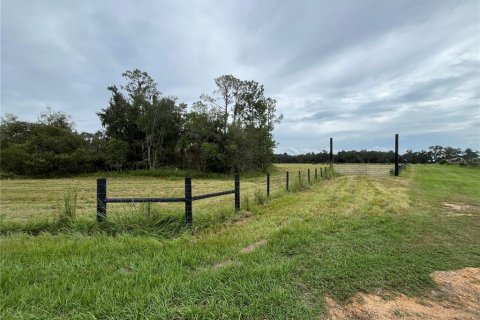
{"type": "Point", "coordinates": [103, 199]}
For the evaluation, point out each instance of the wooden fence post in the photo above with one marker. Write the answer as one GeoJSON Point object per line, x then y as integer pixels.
{"type": "Point", "coordinates": [308, 173]}
{"type": "Point", "coordinates": [286, 184]}
{"type": "Point", "coordinates": [188, 200]}
{"type": "Point", "coordinates": [299, 177]}
{"type": "Point", "coordinates": [316, 175]}
{"type": "Point", "coordinates": [101, 199]}
{"type": "Point", "coordinates": [237, 192]}
{"type": "Point", "coordinates": [268, 184]}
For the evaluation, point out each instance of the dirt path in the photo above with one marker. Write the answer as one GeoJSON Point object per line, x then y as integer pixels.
{"type": "Point", "coordinates": [457, 297]}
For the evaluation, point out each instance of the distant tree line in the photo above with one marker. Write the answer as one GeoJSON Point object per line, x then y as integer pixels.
{"type": "Point", "coordinates": [435, 154]}
{"type": "Point", "coordinates": [230, 130]}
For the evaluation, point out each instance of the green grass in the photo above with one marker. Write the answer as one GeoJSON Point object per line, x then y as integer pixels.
{"type": "Point", "coordinates": [338, 237]}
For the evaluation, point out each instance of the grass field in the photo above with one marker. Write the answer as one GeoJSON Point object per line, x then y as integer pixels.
{"type": "Point", "coordinates": [27, 199]}
{"type": "Point", "coordinates": [277, 259]}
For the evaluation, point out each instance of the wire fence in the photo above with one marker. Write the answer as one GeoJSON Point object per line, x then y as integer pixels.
{"type": "Point", "coordinates": [368, 169]}
{"type": "Point", "coordinates": [30, 198]}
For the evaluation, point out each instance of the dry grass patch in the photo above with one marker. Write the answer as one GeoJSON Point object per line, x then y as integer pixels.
{"type": "Point", "coordinates": [460, 209]}
{"type": "Point", "coordinates": [253, 246]}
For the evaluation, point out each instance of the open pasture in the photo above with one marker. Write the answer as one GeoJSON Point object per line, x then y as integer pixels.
{"type": "Point", "coordinates": [27, 199]}
{"type": "Point", "coordinates": [299, 255]}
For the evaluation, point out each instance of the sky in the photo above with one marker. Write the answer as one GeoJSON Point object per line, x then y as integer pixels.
{"type": "Point", "coordinates": [357, 71]}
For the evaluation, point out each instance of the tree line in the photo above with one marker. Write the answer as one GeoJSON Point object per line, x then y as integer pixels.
{"type": "Point", "coordinates": [229, 130]}
{"type": "Point", "coordinates": [435, 154]}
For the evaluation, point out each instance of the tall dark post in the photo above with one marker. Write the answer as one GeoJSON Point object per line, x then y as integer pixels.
{"type": "Point", "coordinates": [268, 184]}
{"type": "Point", "coordinates": [237, 192]}
{"type": "Point", "coordinates": [321, 172]}
{"type": "Point", "coordinates": [188, 200]}
{"type": "Point", "coordinates": [101, 199]}
{"type": "Point", "coordinates": [287, 181]}
{"type": "Point", "coordinates": [308, 174]}
{"type": "Point", "coordinates": [316, 175]}
{"type": "Point", "coordinates": [396, 154]}
{"type": "Point", "coordinates": [331, 152]}
{"type": "Point", "coordinates": [299, 176]}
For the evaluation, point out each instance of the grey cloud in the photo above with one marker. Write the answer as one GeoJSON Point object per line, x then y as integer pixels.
{"type": "Point", "coordinates": [356, 70]}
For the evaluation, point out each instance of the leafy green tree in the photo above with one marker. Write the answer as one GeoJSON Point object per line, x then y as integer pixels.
{"type": "Point", "coordinates": [149, 123]}
{"type": "Point", "coordinates": [452, 154]}
{"type": "Point", "coordinates": [256, 115]}
{"type": "Point", "coordinates": [203, 126]}
{"type": "Point", "coordinates": [438, 153]}
{"type": "Point", "coordinates": [47, 147]}
{"type": "Point", "coordinates": [243, 120]}
{"type": "Point", "coordinates": [469, 155]}
{"type": "Point", "coordinates": [56, 119]}
{"type": "Point", "coordinates": [116, 151]}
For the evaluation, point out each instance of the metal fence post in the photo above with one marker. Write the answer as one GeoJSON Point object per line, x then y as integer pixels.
{"type": "Point", "coordinates": [287, 182]}
{"type": "Point", "coordinates": [268, 184]}
{"type": "Point", "coordinates": [188, 200]}
{"type": "Point", "coordinates": [308, 174]}
{"type": "Point", "coordinates": [101, 199]}
{"type": "Point", "coordinates": [396, 155]}
{"type": "Point", "coordinates": [237, 192]}
{"type": "Point", "coordinates": [331, 152]}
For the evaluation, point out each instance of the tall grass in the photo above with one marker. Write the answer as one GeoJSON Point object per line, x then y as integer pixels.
{"type": "Point", "coordinates": [68, 211]}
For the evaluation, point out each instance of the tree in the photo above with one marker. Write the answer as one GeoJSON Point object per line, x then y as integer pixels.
{"type": "Point", "coordinates": [245, 120]}
{"type": "Point", "coordinates": [452, 154]}
{"type": "Point", "coordinates": [202, 125]}
{"type": "Point", "coordinates": [256, 115]}
{"type": "Point", "coordinates": [149, 123]}
{"type": "Point", "coordinates": [438, 153]}
{"type": "Point", "coordinates": [45, 148]}
{"type": "Point", "coordinates": [56, 119]}
{"type": "Point", "coordinates": [470, 155]}
{"type": "Point", "coordinates": [231, 130]}
{"type": "Point", "coordinates": [116, 151]}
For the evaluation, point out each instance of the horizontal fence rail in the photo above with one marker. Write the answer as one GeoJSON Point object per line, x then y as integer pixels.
{"type": "Point", "coordinates": [214, 194]}
{"type": "Point", "coordinates": [143, 200]}
{"type": "Point", "coordinates": [102, 198]}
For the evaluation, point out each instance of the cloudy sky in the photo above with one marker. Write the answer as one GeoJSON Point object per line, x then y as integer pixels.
{"type": "Point", "coordinates": [357, 71]}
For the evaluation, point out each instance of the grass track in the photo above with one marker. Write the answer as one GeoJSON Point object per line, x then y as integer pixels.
{"type": "Point", "coordinates": [350, 234]}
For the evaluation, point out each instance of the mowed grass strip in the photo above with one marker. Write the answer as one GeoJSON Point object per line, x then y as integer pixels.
{"type": "Point", "coordinates": [279, 261]}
